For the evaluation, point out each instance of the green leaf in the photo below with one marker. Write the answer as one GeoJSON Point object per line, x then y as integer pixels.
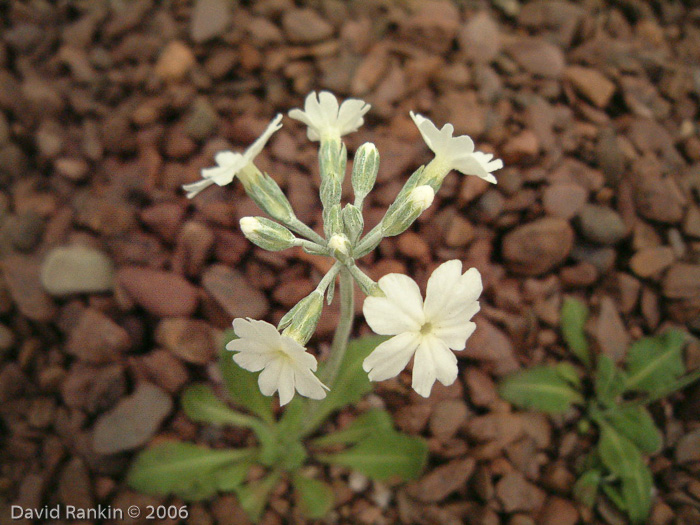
{"type": "Point", "coordinates": [314, 497]}
{"type": "Point", "coordinates": [365, 424]}
{"type": "Point", "coordinates": [569, 373]}
{"type": "Point", "coordinates": [254, 496]}
{"type": "Point", "coordinates": [243, 385]}
{"type": "Point", "coordinates": [183, 469]}
{"type": "Point", "coordinates": [654, 362]}
{"type": "Point", "coordinates": [574, 315]}
{"type": "Point", "coordinates": [609, 381]}
{"type": "Point", "coordinates": [586, 487]}
{"type": "Point", "coordinates": [619, 455]}
{"type": "Point", "coordinates": [637, 494]}
{"type": "Point", "coordinates": [231, 477]}
{"type": "Point", "coordinates": [540, 388]}
{"type": "Point", "coordinates": [384, 455]}
{"type": "Point", "coordinates": [201, 404]}
{"type": "Point", "coordinates": [350, 385]}
{"type": "Point", "coordinates": [637, 425]}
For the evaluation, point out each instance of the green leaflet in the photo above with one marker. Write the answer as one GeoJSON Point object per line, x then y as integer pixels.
{"type": "Point", "coordinates": [574, 315]}
{"type": "Point", "coordinates": [183, 469]}
{"type": "Point", "coordinates": [201, 405]}
{"type": "Point", "coordinates": [242, 385]}
{"type": "Point", "coordinates": [254, 496]}
{"type": "Point", "coordinates": [365, 424]}
{"type": "Point", "coordinates": [654, 362]}
{"type": "Point", "coordinates": [384, 455]}
{"type": "Point", "coordinates": [540, 388]}
{"type": "Point", "coordinates": [314, 497]}
{"type": "Point", "coordinates": [637, 425]}
{"type": "Point", "coordinates": [609, 380]}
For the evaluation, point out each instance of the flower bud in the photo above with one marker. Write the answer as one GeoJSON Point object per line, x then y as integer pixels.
{"type": "Point", "coordinates": [404, 211]}
{"type": "Point", "coordinates": [267, 194]}
{"type": "Point", "coordinates": [364, 171]}
{"type": "Point", "coordinates": [332, 221]}
{"type": "Point", "coordinates": [267, 234]}
{"type": "Point", "coordinates": [339, 245]}
{"type": "Point", "coordinates": [353, 222]}
{"type": "Point", "coordinates": [300, 322]}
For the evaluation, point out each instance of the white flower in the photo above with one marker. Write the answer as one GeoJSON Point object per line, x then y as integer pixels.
{"type": "Point", "coordinates": [230, 163]}
{"type": "Point", "coordinates": [325, 119]}
{"type": "Point", "coordinates": [456, 152]}
{"type": "Point", "coordinates": [430, 330]}
{"type": "Point", "coordinates": [286, 366]}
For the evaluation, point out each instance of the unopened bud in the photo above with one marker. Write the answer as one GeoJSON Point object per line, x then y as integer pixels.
{"type": "Point", "coordinates": [339, 246]}
{"type": "Point", "coordinates": [353, 222]}
{"type": "Point", "coordinates": [301, 321]}
{"type": "Point", "coordinates": [405, 211]}
{"type": "Point", "coordinates": [364, 171]}
{"type": "Point", "coordinates": [267, 234]}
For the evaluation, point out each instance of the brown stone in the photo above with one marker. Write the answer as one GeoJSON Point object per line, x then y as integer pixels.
{"type": "Point", "coordinates": [537, 56]}
{"type": "Point", "coordinates": [189, 339]}
{"type": "Point", "coordinates": [592, 84]}
{"type": "Point", "coordinates": [480, 38]}
{"type": "Point", "coordinates": [231, 290]}
{"type": "Point", "coordinates": [175, 61]}
{"type": "Point", "coordinates": [682, 281]}
{"type": "Point", "coordinates": [163, 294]}
{"type": "Point", "coordinates": [564, 199]}
{"type": "Point", "coordinates": [610, 331]}
{"type": "Point", "coordinates": [443, 480]}
{"type": "Point", "coordinates": [305, 26]}
{"type": "Point", "coordinates": [480, 387]}
{"type": "Point", "coordinates": [22, 278]}
{"type": "Point", "coordinates": [650, 262]}
{"type": "Point", "coordinates": [447, 418]}
{"type": "Point", "coordinates": [559, 511]}
{"type": "Point", "coordinates": [517, 494]}
{"type": "Point", "coordinates": [97, 339]}
{"type": "Point", "coordinates": [165, 370]}
{"type": "Point", "coordinates": [537, 247]}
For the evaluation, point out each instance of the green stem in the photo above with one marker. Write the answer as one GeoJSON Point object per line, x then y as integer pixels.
{"type": "Point", "coordinates": [342, 331]}
{"type": "Point", "coordinates": [299, 227]}
{"type": "Point", "coordinates": [369, 242]}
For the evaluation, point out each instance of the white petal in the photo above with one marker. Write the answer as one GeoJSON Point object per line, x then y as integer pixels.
{"type": "Point", "coordinates": [252, 362]}
{"type": "Point", "coordinates": [308, 385]}
{"type": "Point", "coordinates": [459, 146]}
{"type": "Point", "coordinates": [286, 384]}
{"type": "Point", "coordinates": [269, 379]}
{"type": "Point", "coordinates": [195, 187]}
{"type": "Point", "coordinates": [401, 310]}
{"type": "Point", "coordinates": [441, 287]}
{"type": "Point", "coordinates": [487, 161]}
{"type": "Point", "coordinates": [391, 357]}
{"type": "Point", "coordinates": [329, 108]}
{"type": "Point", "coordinates": [261, 331]}
{"type": "Point", "coordinates": [469, 165]}
{"type": "Point", "coordinates": [256, 147]}
{"type": "Point", "coordinates": [454, 335]}
{"type": "Point", "coordinates": [433, 361]}
{"type": "Point", "coordinates": [427, 129]}
{"type": "Point", "coordinates": [350, 115]}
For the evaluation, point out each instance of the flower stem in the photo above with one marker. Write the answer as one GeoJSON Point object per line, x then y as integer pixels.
{"type": "Point", "coordinates": [342, 331]}
{"type": "Point", "coordinates": [296, 225]}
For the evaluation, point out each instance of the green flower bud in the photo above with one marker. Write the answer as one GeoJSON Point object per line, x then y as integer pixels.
{"type": "Point", "coordinates": [353, 222]}
{"type": "Point", "coordinates": [300, 322]}
{"type": "Point", "coordinates": [267, 234]}
{"type": "Point", "coordinates": [267, 194]}
{"type": "Point", "coordinates": [332, 221]}
{"type": "Point", "coordinates": [364, 171]}
{"type": "Point", "coordinates": [333, 158]}
{"type": "Point", "coordinates": [339, 245]}
{"type": "Point", "coordinates": [404, 211]}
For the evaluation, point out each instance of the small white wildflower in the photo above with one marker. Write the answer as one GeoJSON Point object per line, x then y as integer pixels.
{"type": "Point", "coordinates": [429, 330]}
{"type": "Point", "coordinates": [230, 163]}
{"type": "Point", "coordinates": [286, 365]}
{"type": "Point", "coordinates": [339, 243]}
{"type": "Point", "coordinates": [456, 152]}
{"type": "Point", "coordinates": [326, 120]}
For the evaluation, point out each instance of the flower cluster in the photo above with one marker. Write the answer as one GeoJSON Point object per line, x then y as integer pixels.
{"type": "Point", "coordinates": [428, 331]}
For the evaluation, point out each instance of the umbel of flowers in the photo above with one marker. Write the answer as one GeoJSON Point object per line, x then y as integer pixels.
{"type": "Point", "coordinates": [427, 330]}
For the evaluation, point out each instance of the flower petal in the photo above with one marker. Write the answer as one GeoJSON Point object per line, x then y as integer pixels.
{"type": "Point", "coordinates": [308, 385]}
{"type": "Point", "coordinates": [256, 147]}
{"type": "Point", "coordinates": [286, 383]}
{"type": "Point", "coordinates": [400, 310]}
{"type": "Point", "coordinates": [433, 361]}
{"type": "Point", "coordinates": [350, 115]}
{"type": "Point", "coordinates": [269, 378]}
{"type": "Point", "coordinates": [441, 286]}
{"type": "Point", "coordinates": [194, 188]}
{"type": "Point", "coordinates": [455, 335]}
{"type": "Point", "coordinates": [391, 357]}
{"type": "Point", "coordinates": [253, 362]}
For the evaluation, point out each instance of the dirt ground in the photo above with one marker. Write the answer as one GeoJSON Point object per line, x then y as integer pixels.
{"type": "Point", "coordinates": [111, 279]}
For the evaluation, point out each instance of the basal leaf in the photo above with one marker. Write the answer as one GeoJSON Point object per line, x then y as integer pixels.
{"type": "Point", "coordinates": [254, 496]}
{"type": "Point", "coordinates": [242, 385]}
{"type": "Point", "coordinates": [384, 455]}
{"type": "Point", "coordinates": [365, 424]}
{"type": "Point", "coordinates": [637, 493]}
{"type": "Point", "coordinates": [586, 487]}
{"type": "Point", "coordinates": [182, 469]}
{"type": "Point", "coordinates": [201, 404]}
{"type": "Point", "coordinates": [230, 477]}
{"type": "Point", "coordinates": [314, 497]}
{"type": "Point", "coordinates": [574, 315]}
{"type": "Point", "coordinates": [637, 425]}
{"type": "Point", "coordinates": [540, 388]}
{"type": "Point", "coordinates": [654, 362]}
{"type": "Point", "coordinates": [619, 455]}
{"type": "Point", "coordinates": [609, 381]}
{"type": "Point", "coordinates": [350, 385]}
